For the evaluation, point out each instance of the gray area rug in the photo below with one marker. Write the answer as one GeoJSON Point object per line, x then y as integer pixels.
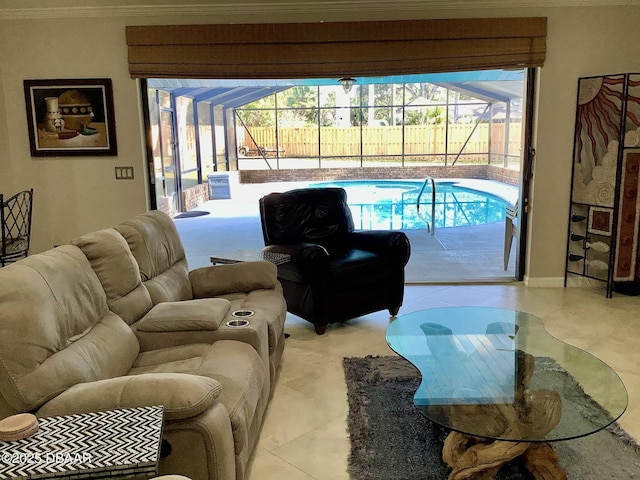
{"type": "Point", "coordinates": [390, 439]}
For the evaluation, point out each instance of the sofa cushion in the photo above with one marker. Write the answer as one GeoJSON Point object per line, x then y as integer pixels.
{"type": "Point", "coordinates": [155, 243]}
{"type": "Point", "coordinates": [237, 277]}
{"type": "Point", "coordinates": [358, 267]}
{"type": "Point", "coordinates": [183, 396]}
{"type": "Point", "coordinates": [114, 264]}
{"type": "Point", "coordinates": [236, 365]}
{"type": "Point", "coordinates": [204, 314]}
{"type": "Point", "coordinates": [56, 329]}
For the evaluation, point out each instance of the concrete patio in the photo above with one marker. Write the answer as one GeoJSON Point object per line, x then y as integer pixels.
{"type": "Point", "coordinates": [470, 254]}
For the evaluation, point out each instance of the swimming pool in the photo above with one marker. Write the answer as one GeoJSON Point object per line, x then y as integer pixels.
{"type": "Point", "coordinates": [391, 204]}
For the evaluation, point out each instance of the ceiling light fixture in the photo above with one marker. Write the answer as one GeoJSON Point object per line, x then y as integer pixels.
{"type": "Point", "coordinates": [347, 83]}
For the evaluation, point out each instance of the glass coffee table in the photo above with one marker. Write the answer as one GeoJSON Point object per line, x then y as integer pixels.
{"type": "Point", "coordinates": [504, 386]}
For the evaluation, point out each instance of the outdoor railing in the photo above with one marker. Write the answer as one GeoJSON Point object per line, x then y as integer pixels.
{"type": "Point", "coordinates": [430, 228]}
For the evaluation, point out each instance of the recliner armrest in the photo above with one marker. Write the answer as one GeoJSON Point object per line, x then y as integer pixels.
{"type": "Point", "coordinates": [383, 242]}
{"type": "Point", "coordinates": [300, 251]}
{"type": "Point", "coordinates": [182, 395]}
{"type": "Point", "coordinates": [310, 259]}
{"type": "Point", "coordinates": [236, 277]}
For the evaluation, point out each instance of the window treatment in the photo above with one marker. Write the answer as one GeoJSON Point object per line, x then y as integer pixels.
{"type": "Point", "coordinates": [313, 50]}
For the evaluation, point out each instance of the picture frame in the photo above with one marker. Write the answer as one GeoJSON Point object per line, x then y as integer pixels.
{"type": "Point", "coordinates": [70, 117]}
{"type": "Point", "coordinates": [601, 221]}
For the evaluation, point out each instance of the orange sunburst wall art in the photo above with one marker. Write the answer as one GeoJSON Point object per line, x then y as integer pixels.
{"type": "Point", "coordinates": [602, 102]}
{"type": "Point", "coordinates": [598, 124]}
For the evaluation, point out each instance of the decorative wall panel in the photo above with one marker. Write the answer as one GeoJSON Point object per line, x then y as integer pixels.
{"type": "Point", "coordinates": [605, 206]}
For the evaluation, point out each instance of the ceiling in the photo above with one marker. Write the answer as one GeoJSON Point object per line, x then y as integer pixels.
{"type": "Point", "coordinates": [258, 10]}
{"type": "Point", "coordinates": [486, 85]}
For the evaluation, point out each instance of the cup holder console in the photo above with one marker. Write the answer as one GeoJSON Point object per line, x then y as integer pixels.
{"type": "Point", "coordinates": [240, 320]}
{"type": "Point", "coordinates": [237, 323]}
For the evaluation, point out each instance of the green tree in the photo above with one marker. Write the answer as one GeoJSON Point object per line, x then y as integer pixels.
{"type": "Point", "coordinates": [259, 113]}
{"type": "Point", "coordinates": [424, 116]}
{"type": "Point", "coordinates": [299, 105]}
{"type": "Point", "coordinates": [328, 110]}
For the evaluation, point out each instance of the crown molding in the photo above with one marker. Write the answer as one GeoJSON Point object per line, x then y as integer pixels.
{"type": "Point", "coordinates": [253, 10]}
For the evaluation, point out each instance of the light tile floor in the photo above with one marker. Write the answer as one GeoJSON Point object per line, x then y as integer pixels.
{"type": "Point", "coordinates": [305, 432]}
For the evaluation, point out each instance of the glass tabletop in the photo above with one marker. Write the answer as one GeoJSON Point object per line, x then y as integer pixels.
{"type": "Point", "coordinates": [237, 256]}
{"type": "Point", "coordinates": [497, 373]}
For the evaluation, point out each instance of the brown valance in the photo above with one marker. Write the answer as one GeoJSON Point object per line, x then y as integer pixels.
{"type": "Point", "coordinates": [310, 50]}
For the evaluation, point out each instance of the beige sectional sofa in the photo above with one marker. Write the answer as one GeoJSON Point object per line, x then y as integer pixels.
{"type": "Point", "coordinates": [117, 320]}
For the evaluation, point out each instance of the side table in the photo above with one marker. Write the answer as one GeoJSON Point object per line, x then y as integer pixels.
{"type": "Point", "coordinates": [121, 443]}
{"type": "Point", "coordinates": [237, 256]}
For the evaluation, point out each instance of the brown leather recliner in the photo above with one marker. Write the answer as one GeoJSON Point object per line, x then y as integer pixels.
{"type": "Point", "coordinates": [335, 273]}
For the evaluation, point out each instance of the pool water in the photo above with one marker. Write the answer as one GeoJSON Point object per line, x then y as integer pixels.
{"type": "Point", "coordinates": [391, 204]}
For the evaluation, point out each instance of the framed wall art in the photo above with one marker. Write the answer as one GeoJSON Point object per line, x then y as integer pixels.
{"type": "Point", "coordinates": [605, 183]}
{"type": "Point", "coordinates": [70, 117]}
{"type": "Point", "coordinates": [601, 221]}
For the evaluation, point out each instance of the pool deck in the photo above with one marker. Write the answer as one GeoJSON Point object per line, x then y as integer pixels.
{"type": "Point", "coordinates": [468, 254]}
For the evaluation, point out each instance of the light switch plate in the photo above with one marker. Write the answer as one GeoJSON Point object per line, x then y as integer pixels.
{"type": "Point", "coordinates": [124, 173]}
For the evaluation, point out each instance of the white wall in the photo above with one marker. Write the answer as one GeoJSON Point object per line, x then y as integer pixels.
{"type": "Point", "coordinates": [72, 195]}
{"type": "Point", "coordinates": [6, 168]}
{"type": "Point", "coordinates": [581, 42]}
{"type": "Point", "coordinates": [76, 195]}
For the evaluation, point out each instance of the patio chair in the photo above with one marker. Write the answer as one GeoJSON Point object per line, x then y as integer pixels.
{"type": "Point", "coordinates": [335, 273]}
{"type": "Point", "coordinates": [15, 221]}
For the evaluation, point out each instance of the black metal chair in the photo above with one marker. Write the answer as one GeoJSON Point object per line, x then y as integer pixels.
{"type": "Point", "coordinates": [15, 220]}
{"type": "Point", "coordinates": [335, 273]}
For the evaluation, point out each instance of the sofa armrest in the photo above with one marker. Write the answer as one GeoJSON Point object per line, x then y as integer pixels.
{"type": "Point", "coordinates": [387, 243]}
{"type": "Point", "coordinates": [204, 314]}
{"type": "Point", "coordinates": [182, 395]}
{"type": "Point", "coordinates": [237, 277]}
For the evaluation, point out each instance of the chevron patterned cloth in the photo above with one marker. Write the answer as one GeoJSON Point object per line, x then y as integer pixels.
{"type": "Point", "coordinates": [115, 443]}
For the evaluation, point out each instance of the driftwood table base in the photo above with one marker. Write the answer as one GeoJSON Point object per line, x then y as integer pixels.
{"type": "Point", "coordinates": [533, 414]}
{"type": "Point", "coordinates": [473, 458]}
